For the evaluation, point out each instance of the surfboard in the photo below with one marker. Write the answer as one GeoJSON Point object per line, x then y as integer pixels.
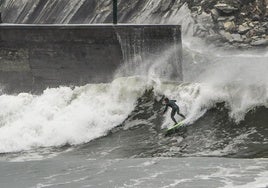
{"type": "Point", "coordinates": [173, 128]}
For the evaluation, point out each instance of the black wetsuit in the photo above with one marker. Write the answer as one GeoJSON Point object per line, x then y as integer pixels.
{"type": "Point", "coordinates": [175, 108]}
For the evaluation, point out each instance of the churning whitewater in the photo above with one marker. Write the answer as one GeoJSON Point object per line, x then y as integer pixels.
{"type": "Point", "coordinates": [64, 115]}
{"type": "Point", "coordinates": [74, 116]}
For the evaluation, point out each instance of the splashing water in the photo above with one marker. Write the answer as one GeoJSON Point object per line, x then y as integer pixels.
{"type": "Point", "coordinates": [66, 116]}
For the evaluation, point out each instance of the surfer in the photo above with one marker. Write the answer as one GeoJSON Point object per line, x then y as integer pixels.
{"type": "Point", "coordinates": [175, 108]}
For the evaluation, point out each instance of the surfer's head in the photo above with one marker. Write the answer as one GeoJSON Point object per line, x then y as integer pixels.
{"type": "Point", "coordinates": [166, 100]}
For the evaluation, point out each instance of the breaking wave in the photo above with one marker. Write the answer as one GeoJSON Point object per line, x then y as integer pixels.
{"type": "Point", "coordinates": [221, 120]}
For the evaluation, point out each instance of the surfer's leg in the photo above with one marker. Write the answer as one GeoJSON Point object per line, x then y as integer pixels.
{"type": "Point", "coordinates": [182, 116]}
{"type": "Point", "coordinates": [178, 112]}
{"type": "Point", "coordinates": [173, 112]}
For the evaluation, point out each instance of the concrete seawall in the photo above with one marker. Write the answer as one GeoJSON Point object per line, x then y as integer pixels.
{"type": "Point", "coordinates": [34, 57]}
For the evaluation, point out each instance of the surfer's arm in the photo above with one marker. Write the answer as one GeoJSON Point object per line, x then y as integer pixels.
{"type": "Point", "coordinates": [165, 109]}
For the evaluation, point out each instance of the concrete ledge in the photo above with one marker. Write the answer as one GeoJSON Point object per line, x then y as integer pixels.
{"type": "Point", "coordinates": [34, 57]}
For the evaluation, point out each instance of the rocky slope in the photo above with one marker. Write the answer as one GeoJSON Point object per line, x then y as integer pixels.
{"type": "Point", "coordinates": [241, 23]}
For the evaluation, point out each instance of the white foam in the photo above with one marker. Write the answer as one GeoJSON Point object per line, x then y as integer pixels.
{"type": "Point", "coordinates": [195, 99]}
{"type": "Point", "coordinates": [64, 115]}
{"type": "Point", "coordinates": [259, 182]}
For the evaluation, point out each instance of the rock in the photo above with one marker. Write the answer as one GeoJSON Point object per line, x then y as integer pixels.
{"type": "Point", "coordinates": [231, 18]}
{"type": "Point", "coordinates": [237, 38]}
{"type": "Point", "coordinates": [261, 6]}
{"type": "Point", "coordinates": [215, 14]}
{"type": "Point", "coordinates": [244, 37]}
{"type": "Point", "coordinates": [260, 42]}
{"type": "Point", "coordinates": [248, 40]}
{"type": "Point", "coordinates": [231, 37]}
{"type": "Point", "coordinates": [226, 35]}
{"type": "Point", "coordinates": [213, 38]}
{"type": "Point", "coordinates": [243, 29]}
{"type": "Point", "coordinates": [255, 38]}
{"type": "Point", "coordinates": [245, 24]}
{"type": "Point", "coordinates": [221, 19]}
{"type": "Point", "coordinates": [229, 26]}
{"type": "Point", "coordinates": [251, 24]}
{"type": "Point", "coordinates": [256, 23]}
{"type": "Point", "coordinates": [265, 25]}
{"type": "Point", "coordinates": [261, 30]}
{"type": "Point", "coordinates": [244, 46]}
{"type": "Point", "coordinates": [256, 17]}
{"type": "Point", "coordinates": [225, 8]}
{"type": "Point", "coordinates": [250, 33]}
{"type": "Point", "coordinates": [226, 18]}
